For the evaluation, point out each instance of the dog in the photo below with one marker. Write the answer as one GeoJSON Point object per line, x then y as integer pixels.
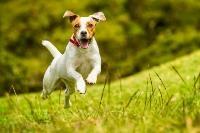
{"type": "Point", "coordinates": [81, 59]}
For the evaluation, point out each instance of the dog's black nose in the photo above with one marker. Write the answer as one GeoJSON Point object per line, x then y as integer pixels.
{"type": "Point", "coordinates": [83, 33]}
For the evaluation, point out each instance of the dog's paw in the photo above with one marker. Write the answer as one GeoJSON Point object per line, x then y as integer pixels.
{"type": "Point", "coordinates": [44, 95]}
{"type": "Point", "coordinates": [80, 85]}
{"type": "Point", "coordinates": [91, 79]}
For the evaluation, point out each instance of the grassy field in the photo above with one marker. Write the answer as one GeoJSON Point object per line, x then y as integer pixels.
{"type": "Point", "coordinates": [162, 99]}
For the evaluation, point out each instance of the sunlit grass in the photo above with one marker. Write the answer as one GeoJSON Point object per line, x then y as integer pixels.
{"type": "Point", "coordinates": [162, 99]}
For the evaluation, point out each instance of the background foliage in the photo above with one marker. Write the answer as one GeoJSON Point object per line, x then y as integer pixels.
{"type": "Point", "coordinates": [137, 35]}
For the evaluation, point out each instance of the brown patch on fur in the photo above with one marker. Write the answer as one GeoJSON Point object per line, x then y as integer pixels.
{"type": "Point", "coordinates": [72, 16]}
{"type": "Point", "coordinates": [91, 28]}
{"type": "Point", "coordinates": [76, 25]}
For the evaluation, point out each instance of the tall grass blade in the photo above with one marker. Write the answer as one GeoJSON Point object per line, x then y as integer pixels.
{"type": "Point", "coordinates": [104, 86]}
{"type": "Point", "coordinates": [162, 82]}
{"type": "Point", "coordinates": [146, 95]}
{"type": "Point", "coordinates": [153, 90]}
{"type": "Point", "coordinates": [131, 98]}
{"type": "Point", "coordinates": [173, 67]}
{"type": "Point", "coordinates": [196, 80]}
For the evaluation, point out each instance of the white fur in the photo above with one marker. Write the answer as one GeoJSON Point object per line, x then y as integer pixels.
{"type": "Point", "coordinates": [53, 50]}
{"type": "Point", "coordinates": [83, 26]}
{"type": "Point", "coordinates": [72, 67]}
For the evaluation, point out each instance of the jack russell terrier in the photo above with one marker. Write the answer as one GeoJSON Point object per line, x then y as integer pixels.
{"type": "Point", "coordinates": [81, 59]}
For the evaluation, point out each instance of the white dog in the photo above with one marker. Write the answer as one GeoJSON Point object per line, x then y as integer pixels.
{"type": "Point", "coordinates": [81, 59]}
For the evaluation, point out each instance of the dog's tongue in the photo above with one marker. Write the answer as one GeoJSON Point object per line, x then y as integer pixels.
{"type": "Point", "coordinates": [84, 44]}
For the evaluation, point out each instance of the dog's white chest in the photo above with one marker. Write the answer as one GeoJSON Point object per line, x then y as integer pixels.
{"type": "Point", "coordinates": [83, 64]}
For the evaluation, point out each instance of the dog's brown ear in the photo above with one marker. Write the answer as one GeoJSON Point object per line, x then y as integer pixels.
{"type": "Point", "coordinates": [98, 16]}
{"type": "Point", "coordinates": [72, 16]}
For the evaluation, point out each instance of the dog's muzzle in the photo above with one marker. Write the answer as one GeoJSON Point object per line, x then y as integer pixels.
{"type": "Point", "coordinates": [84, 42]}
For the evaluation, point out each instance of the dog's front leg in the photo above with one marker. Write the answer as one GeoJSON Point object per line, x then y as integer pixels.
{"type": "Point", "coordinates": [92, 77]}
{"type": "Point", "coordinates": [80, 83]}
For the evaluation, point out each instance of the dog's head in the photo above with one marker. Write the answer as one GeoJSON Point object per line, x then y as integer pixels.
{"type": "Point", "coordinates": [84, 27]}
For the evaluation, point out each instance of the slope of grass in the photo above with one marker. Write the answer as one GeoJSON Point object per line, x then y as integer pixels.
{"type": "Point", "coordinates": [162, 99]}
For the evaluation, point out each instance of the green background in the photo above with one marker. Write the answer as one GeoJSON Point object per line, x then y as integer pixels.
{"type": "Point", "coordinates": [136, 36]}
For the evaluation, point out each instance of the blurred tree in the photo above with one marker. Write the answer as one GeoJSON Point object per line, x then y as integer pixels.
{"type": "Point", "coordinates": [137, 34]}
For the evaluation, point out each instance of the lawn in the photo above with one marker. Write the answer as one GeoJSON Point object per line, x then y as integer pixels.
{"type": "Point", "coordinates": [165, 98]}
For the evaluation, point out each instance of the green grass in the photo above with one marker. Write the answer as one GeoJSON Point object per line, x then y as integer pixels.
{"type": "Point", "coordinates": [162, 99]}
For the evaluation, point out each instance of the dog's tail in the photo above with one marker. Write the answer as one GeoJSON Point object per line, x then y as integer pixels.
{"type": "Point", "coordinates": [53, 50]}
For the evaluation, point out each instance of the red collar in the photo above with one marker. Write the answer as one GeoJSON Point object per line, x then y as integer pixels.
{"type": "Point", "coordinates": [74, 41]}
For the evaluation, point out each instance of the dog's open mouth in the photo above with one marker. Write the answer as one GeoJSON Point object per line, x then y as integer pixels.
{"type": "Point", "coordinates": [84, 43]}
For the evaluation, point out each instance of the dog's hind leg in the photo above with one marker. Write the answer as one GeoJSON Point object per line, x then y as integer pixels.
{"type": "Point", "coordinates": [68, 91]}
{"type": "Point", "coordinates": [67, 102]}
{"type": "Point", "coordinates": [50, 82]}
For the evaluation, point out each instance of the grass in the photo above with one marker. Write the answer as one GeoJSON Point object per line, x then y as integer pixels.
{"type": "Point", "coordinates": [162, 99]}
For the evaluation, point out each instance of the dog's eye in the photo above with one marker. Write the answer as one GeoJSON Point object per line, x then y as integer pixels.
{"type": "Point", "coordinates": [90, 25]}
{"type": "Point", "coordinates": [77, 26]}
